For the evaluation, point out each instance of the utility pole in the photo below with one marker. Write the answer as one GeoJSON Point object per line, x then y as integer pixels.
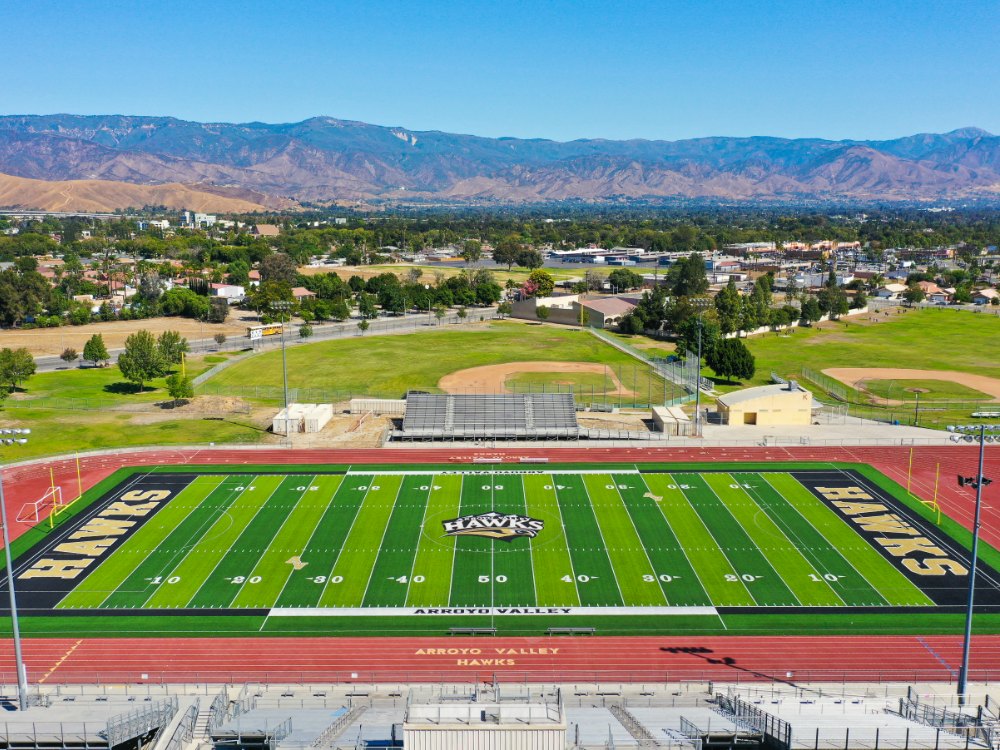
{"type": "Point", "coordinates": [22, 675]}
{"type": "Point", "coordinates": [979, 481]}
{"type": "Point", "coordinates": [283, 306]}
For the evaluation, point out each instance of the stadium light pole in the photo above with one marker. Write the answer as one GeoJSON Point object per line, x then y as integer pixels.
{"type": "Point", "coordinates": [22, 676]}
{"type": "Point", "coordinates": [979, 481]}
{"type": "Point", "coordinates": [701, 304]}
{"type": "Point", "coordinates": [283, 306]}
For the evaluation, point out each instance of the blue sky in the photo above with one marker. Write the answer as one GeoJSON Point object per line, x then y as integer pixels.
{"type": "Point", "coordinates": [564, 70]}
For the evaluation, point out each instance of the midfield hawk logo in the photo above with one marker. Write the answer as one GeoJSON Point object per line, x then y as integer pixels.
{"type": "Point", "coordinates": [503, 526]}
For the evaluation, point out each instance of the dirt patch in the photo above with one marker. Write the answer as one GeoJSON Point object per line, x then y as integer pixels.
{"type": "Point", "coordinates": [493, 378]}
{"type": "Point", "coordinates": [852, 376]}
{"type": "Point", "coordinates": [346, 430]}
{"type": "Point", "coordinates": [53, 341]}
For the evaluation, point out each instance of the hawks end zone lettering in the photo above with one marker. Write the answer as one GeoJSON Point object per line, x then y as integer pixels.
{"type": "Point", "coordinates": [98, 535]}
{"type": "Point", "coordinates": [894, 534]}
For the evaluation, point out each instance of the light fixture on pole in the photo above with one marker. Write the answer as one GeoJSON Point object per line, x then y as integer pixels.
{"type": "Point", "coordinates": [978, 482]}
{"type": "Point", "coordinates": [22, 676]}
{"type": "Point", "coordinates": [701, 304]}
{"type": "Point", "coordinates": [283, 306]}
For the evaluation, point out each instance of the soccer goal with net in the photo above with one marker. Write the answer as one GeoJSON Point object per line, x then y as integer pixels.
{"type": "Point", "coordinates": [48, 504]}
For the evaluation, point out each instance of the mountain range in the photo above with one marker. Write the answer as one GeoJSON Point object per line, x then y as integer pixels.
{"type": "Point", "coordinates": [325, 160]}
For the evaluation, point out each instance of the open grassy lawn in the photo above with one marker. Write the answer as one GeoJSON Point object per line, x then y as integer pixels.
{"type": "Point", "coordinates": [99, 387]}
{"type": "Point", "coordinates": [65, 431]}
{"type": "Point", "coordinates": [930, 390]}
{"type": "Point", "coordinates": [925, 339]}
{"type": "Point", "coordinates": [389, 366]}
{"type": "Point", "coordinates": [93, 408]}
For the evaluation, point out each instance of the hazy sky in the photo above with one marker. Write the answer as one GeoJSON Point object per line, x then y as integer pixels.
{"type": "Point", "coordinates": [614, 69]}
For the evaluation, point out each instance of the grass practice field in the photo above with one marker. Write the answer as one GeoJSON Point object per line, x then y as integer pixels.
{"type": "Point", "coordinates": [357, 366]}
{"type": "Point", "coordinates": [617, 542]}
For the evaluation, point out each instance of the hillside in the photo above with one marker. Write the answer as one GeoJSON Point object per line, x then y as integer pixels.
{"type": "Point", "coordinates": [105, 195]}
{"type": "Point", "coordinates": [325, 159]}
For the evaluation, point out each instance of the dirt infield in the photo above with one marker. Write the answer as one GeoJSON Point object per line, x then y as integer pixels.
{"type": "Point", "coordinates": [852, 376]}
{"type": "Point", "coordinates": [493, 378]}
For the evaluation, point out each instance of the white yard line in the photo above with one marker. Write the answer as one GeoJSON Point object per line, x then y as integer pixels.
{"type": "Point", "coordinates": [562, 523]}
{"type": "Point", "coordinates": [754, 543]}
{"type": "Point", "coordinates": [347, 536]}
{"type": "Point", "coordinates": [229, 548]}
{"type": "Point", "coordinates": [680, 544]}
{"type": "Point", "coordinates": [385, 531]}
{"type": "Point", "coordinates": [253, 570]}
{"type": "Point", "coordinates": [416, 551]}
{"type": "Point", "coordinates": [708, 530]}
{"type": "Point", "coordinates": [312, 535]}
{"type": "Point", "coordinates": [604, 543]}
{"type": "Point", "coordinates": [816, 570]}
{"type": "Point", "coordinates": [832, 546]}
{"type": "Point", "coordinates": [645, 552]}
{"type": "Point", "coordinates": [209, 522]}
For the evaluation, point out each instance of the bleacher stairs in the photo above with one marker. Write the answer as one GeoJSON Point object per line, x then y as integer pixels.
{"type": "Point", "coordinates": [635, 727]}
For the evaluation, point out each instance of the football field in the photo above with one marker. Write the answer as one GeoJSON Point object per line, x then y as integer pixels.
{"type": "Point", "coordinates": [496, 541]}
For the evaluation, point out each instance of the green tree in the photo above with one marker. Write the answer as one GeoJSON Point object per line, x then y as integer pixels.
{"type": "Point", "coordinates": [624, 280]}
{"type": "Point", "coordinates": [142, 360]}
{"type": "Point", "coordinates": [305, 331]}
{"type": "Point", "coordinates": [687, 335]}
{"type": "Point", "coordinates": [728, 304]}
{"type": "Point", "coordinates": [543, 282]}
{"type": "Point", "coordinates": [507, 251]}
{"type": "Point", "coordinates": [530, 258]}
{"type": "Point", "coordinates": [363, 326]}
{"type": "Point", "coordinates": [730, 359]}
{"type": "Point", "coordinates": [913, 294]}
{"type": "Point", "coordinates": [462, 313]}
{"type": "Point", "coordinates": [542, 312]}
{"type": "Point", "coordinates": [69, 355]}
{"type": "Point", "coordinates": [439, 312]}
{"type": "Point", "coordinates": [472, 251]}
{"type": "Point", "coordinates": [179, 387]}
{"type": "Point", "coordinates": [95, 351]}
{"type": "Point", "coordinates": [16, 366]}
{"type": "Point", "coordinates": [366, 306]}
{"type": "Point", "coordinates": [172, 347]}
{"type": "Point", "coordinates": [504, 309]}
{"type": "Point", "coordinates": [810, 312]}
{"type": "Point", "coordinates": [687, 277]}
{"type": "Point", "coordinates": [279, 267]}
{"type": "Point", "coordinates": [218, 310]}
{"type": "Point", "coordinates": [220, 338]}
{"type": "Point", "coordinates": [339, 310]}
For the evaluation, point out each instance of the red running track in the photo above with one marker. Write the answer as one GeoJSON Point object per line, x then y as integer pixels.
{"type": "Point", "coordinates": [580, 659]}
{"type": "Point", "coordinates": [550, 659]}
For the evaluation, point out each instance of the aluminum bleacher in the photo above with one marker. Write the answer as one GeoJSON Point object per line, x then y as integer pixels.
{"type": "Point", "coordinates": [517, 416]}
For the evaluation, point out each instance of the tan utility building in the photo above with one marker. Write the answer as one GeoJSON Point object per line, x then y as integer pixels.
{"type": "Point", "coordinates": [767, 406]}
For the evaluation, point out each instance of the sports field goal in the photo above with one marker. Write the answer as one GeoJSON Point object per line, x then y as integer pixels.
{"type": "Point", "coordinates": [37, 510]}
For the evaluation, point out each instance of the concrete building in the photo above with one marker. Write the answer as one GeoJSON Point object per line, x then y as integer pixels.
{"type": "Point", "coordinates": [485, 726]}
{"type": "Point", "coordinates": [597, 312]}
{"type": "Point", "coordinates": [232, 293]}
{"type": "Point", "coordinates": [302, 418]}
{"type": "Point", "coordinates": [767, 405]}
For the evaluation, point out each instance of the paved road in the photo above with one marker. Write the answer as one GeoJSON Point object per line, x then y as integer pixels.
{"type": "Point", "coordinates": [347, 329]}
